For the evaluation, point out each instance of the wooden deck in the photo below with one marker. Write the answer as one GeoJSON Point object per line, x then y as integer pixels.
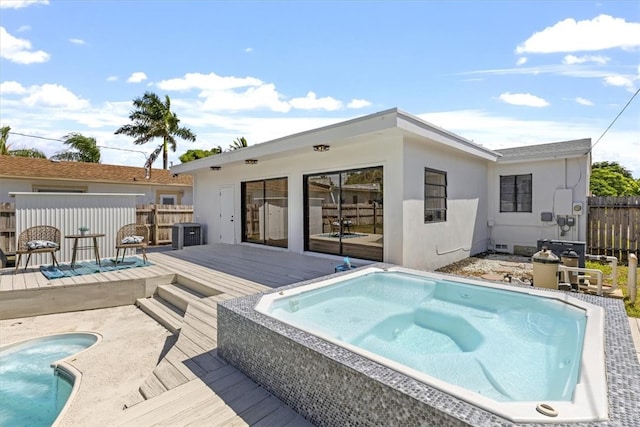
{"type": "Point", "coordinates": [192, 385]}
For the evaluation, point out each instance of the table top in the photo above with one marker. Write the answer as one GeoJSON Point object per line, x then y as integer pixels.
{"type": "Point", "coordinates": [82, 236]}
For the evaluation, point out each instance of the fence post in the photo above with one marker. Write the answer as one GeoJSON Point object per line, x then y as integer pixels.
{"type": "Point", "coordinates": [155, 223]}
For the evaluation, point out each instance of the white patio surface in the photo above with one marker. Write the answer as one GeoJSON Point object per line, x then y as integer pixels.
{"type": "Point", "coordinates": [208, 391]}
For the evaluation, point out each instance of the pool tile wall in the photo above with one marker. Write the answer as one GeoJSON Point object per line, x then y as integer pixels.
{"type": "Point", "coordinates": [331, 386]}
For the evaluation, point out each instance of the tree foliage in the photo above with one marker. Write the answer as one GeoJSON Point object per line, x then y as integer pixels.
{"type": "Point", "coordinates": [238, 143]}
{"type": "Point", "coordinates": [28, 152]}
{"type": "Point", "coordinates": [191, 155]}
{"type": "Point", "coordinates": [86, 149]}
{"type": "Point", "coordinates": [612, 179]}
{"type": "Point", "coordinates": [152, 118]}
{"type": "Point", "coordinates": [4, 135]}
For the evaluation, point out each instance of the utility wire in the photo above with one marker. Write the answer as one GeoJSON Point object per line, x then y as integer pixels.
{"type": "Point", "coordinates": [614, 120]}
{"type": "Point", "coordinates": [62, 140]}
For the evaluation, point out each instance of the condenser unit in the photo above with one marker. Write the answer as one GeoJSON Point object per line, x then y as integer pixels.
{"type": "Point", "coordinates": [186, 234]}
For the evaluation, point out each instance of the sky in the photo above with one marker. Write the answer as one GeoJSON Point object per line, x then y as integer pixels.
{"type": "Point", "coordinates": [500, 73]}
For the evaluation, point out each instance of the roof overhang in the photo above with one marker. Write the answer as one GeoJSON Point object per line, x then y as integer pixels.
{"type": "Point", "coordinates": [388, 122]}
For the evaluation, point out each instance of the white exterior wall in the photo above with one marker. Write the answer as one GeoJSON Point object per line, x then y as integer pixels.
{"type": "Point", "coordinates": [428, 246]}
{"type": "Point", "coordinates": [101, 213]}
{"type": "Point", "coordinates": [550, 177]}
{"type": "Point", "coordinates": [149, 191]}
{"type": "Point", "coordinates": [371, 151]}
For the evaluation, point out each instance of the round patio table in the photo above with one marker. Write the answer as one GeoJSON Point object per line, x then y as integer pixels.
{"type": "Point", "coordinates": [91, 245]}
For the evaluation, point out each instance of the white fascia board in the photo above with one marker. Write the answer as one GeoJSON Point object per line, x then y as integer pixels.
{"type": "Point", "coordinates": [330, 134]}
{"type": "Point", "coordinates": [40, 194]}
{"type": "Point", "coordinates": [425, 129]}
{"type": "Point", "coordinates": [525, 159]}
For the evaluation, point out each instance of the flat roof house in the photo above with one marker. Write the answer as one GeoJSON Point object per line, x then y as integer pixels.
{"type": "Point", "coordinates": [391, 187]}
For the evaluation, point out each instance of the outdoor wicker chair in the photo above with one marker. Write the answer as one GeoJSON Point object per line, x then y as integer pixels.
{"type": "Point", "coordinates": [132, 236]}
{"type": "Point", "coordinates": [37, 240]}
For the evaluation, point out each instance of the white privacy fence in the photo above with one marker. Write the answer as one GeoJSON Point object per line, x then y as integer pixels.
{"type": "Point", "coordinates": [102, 213]}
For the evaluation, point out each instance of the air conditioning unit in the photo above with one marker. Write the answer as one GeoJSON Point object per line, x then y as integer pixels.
{"type": "Point", "coordinates": [186, 234]}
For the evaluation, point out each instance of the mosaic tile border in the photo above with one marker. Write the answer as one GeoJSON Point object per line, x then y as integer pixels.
{"type": "Point", "coordinates": [332, 386]}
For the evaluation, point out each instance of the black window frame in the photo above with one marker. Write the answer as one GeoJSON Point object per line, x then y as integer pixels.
{"type": "Point", "coordinates": [243, 209]}
{"type": "Point", "coordinates": [518, 200]}
{"type": "Point", "coordinates": [434, 215]}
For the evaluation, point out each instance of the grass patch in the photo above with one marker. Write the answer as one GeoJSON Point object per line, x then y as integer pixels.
{"type": "Point", "coordinates": [633, 310]}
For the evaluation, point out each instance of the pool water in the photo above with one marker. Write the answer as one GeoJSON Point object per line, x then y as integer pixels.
{"type": "Point", "coordinates": [506, 346]}
{"type": "Point", "coordinates": [32, 392]}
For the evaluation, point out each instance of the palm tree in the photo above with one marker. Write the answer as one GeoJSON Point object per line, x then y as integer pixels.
{"type": "Point", "coordinates": [28, 152]}
{"type": "Point", "coordinates": [238, 143]}
{"type": "Point", "coordinates": [86, 149]}
{"type": "Point", "coordinates": [4, 135]}
{"type": "Point", "coordinates": [151, 119]}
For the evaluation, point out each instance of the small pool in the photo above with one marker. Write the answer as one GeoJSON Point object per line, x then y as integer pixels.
{"type": "Point", "coordinates": [34, 383]}
{"type": "Point", "coordinates": [520, 353]}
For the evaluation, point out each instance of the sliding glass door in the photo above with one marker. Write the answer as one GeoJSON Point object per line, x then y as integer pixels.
{"type": "Point", "coordinates": [265, 209]}
{"type": "Point", "coordinates": [344, 213]}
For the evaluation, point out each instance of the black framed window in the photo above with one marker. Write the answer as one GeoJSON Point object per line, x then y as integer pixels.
{"type": "Point", "coordinates": [265, 212]}
{"type": "Point", "coordinates": [516, 192]}
{"type": "Point", "coordinates": [435, 195]}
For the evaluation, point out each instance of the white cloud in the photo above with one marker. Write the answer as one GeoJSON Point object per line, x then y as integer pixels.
{"type": "Point", "coordinates": [112, 78]}
{"type": "Point", "coordinates": [77, 41]}
{"type": "Point", "coordinates": [524, 99]}
{"type": "Point", "coordinates": [24, 28]}
{"type": "Point", "coordinates": [312, 102]}
{"type": "Point", "coordinates": [210, 81]}
{"type": "Point", "coordinates": [12, 88]}
{"type": "Point", "coordinates": [137, 77]}
{"type": "Point", "coordinates": [18, 4]}
{"type": "Point", "coordinates": [602, 32]}
{"type": "Point", "coordinates": [249, 50]}
{"type": "Point", "coordinates": [19, 50]}
{"type": "Point", "coordinates": [620, 81]}
{"type": "Point", "coordinates": [53, 95]}
{"type": "Point", "coordinates": [572, 59]}
{"type": "Point", "coordinates": [584, 101]}
{"type": "Point", "coordinates": [358, 103]}
{"type": "Point", "coordinates": [521, 61]}
{"type": "Point", "coordinates": [254, 98]}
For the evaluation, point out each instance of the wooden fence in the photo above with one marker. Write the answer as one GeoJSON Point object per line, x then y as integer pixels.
{"type": "Point", "coordinates": [159, 218]}
{"type": "Point", "coordinates": [613, 226]}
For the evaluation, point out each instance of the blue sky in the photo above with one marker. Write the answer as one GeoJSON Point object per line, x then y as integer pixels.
{"type": "Point", "coordinates": [500, 73]}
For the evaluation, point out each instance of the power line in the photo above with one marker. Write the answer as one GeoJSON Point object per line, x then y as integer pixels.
{"type": "Point", "coordinates": [62, 140]}
{"type": "Point", "coordinates": [614, 120]}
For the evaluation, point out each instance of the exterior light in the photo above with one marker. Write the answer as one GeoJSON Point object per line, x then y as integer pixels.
{"type": "Point", "coordinates": [321, 147]}
{"type": "Point", "coordinates": [251, 162]}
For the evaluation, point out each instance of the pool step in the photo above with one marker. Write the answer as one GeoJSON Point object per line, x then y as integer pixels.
{"type": "Point", "coordinates": [165, 313]}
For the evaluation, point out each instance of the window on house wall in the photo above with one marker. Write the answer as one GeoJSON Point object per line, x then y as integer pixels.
{"type": "Point", "coordinates": [516, 193]}
{"type": "Point", "coordinates": [168, 198]}
{"type": "Point", "coordinates": [265, 211]}
{"type": "Point", "coordinates": [435, 195]}
{"type": "Point", "coordinates": [52, 189]}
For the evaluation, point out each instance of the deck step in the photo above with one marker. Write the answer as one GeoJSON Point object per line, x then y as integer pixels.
{"type": "Point", "coordinates": [163, 312]}
{"type": "Point", "coordinates": [179, 295]}
{"type": "Point", "coordinates": [152, 387]}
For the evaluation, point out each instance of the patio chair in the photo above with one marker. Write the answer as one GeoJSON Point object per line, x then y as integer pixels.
{"type": "Point", "coordinates": [334, 224]}
{"type": "Point", "coordinates": [132, 236]}
{"type": "Point", "coordinates": [38, 240]}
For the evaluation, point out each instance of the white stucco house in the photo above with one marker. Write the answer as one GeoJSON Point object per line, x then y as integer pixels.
{"type": "Point", "coordinates": [391, 187]}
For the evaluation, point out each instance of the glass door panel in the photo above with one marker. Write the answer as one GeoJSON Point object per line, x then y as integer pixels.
{"type": "Point", "coordinates": [253, 205]}
{"type": "Point", "coordinates": [323, 229]}
{"type": "Point", "coordinates": [276, 216]}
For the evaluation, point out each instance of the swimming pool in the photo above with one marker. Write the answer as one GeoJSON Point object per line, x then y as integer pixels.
{"type": "Point", "coordinates": [35, 382]}
{"type": "Point", "coordinates": [550, 369]}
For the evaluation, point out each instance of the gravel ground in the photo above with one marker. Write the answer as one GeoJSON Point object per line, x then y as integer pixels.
{"type": "Point", "coordinates": [492, 266]}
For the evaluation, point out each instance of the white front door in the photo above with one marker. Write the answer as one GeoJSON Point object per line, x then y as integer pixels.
{"type": "Point", "coordinates": [227, 226]}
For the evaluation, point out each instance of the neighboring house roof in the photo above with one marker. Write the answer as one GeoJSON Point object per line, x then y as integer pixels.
{"type": "Point", "coordinates": [44, 169]}
{"type": "Point", "coordinates": [391, 122]}
{"type": "Point", "coordinates": [563, 149]}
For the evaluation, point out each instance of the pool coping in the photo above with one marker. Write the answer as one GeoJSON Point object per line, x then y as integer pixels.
{"type": "Point", "coordinates": [622, 365]}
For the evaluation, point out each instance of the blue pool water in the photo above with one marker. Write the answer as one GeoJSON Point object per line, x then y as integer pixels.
{"type": "Point", "coordinates": [507, 346]}
{"type": "Point", "coordinates": [31, 392]}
